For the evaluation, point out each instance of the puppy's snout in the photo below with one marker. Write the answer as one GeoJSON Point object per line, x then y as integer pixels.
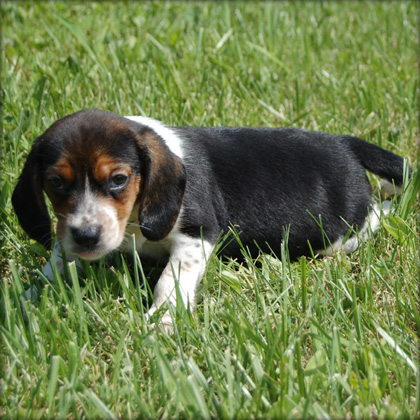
{"type": "Point", "coordinates": [86, 236]}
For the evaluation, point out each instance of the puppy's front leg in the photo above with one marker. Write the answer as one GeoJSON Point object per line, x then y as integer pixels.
{"type": "Point", "coordinates": [48, 271]}
{"type": "Point", "coordinates": [187, 264]}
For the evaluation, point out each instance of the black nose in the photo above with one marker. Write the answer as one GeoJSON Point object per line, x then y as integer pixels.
{"type": "Point", "coordinates": [86, 236]}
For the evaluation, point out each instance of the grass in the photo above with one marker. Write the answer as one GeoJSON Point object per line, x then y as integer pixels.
{"type": "Point", "coordinates": [331, 337]}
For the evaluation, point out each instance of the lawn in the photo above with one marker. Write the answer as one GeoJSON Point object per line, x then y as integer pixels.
{"type": "Point", "coordinates": [314, 338]}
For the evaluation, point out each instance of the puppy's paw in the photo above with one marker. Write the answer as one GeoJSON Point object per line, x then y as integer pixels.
{"type": "Point", "coordinates": [31, 295]}
{"type": "Point", "coordinates": [148, 315]}
{"type": "Point", "coordinates": [165, 322]}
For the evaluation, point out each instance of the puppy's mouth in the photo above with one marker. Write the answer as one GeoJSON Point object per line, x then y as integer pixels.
{"type": "Point", "coordinates": [91, 255]}
{"type": "Point", "coordinates": [88, 253]}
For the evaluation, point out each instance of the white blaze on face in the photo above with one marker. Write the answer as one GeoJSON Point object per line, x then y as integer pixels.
{"type": "Point", "coordinates": [93, 211]}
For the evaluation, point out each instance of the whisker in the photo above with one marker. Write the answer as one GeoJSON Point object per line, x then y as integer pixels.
{"type": "Point", "coordinates": [142, 227]}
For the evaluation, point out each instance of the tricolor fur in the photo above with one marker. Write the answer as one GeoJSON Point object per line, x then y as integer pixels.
{"type": "Point", "coordinates": [177, 188]}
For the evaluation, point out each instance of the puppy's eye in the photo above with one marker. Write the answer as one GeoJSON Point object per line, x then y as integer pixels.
{"type": "Point", "coordinates": [118, 182]}
{"type": "Point", "coordinates": [56, 183]}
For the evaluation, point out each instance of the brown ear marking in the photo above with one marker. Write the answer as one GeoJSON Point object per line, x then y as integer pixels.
{"type": "Point", "coordinates": [165, 182]}
{"type": "Point", "coordinates": [29, 202]}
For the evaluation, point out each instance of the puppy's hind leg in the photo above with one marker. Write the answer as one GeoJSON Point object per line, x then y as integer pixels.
{"type": "Point", "coordinates": [372, 223]}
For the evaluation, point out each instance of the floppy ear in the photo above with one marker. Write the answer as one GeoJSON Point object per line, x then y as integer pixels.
{"type": "Point", "coordinates": [163, 192]}
{"type": "Point", "coordinates": [29, 203]}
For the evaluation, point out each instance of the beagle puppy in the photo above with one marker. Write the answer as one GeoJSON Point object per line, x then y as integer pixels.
{"type": "Point", "coordinates": [176, 189]}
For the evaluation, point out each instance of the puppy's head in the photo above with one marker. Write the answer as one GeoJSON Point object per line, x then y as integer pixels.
{"type": "Point", "coordinates": [96, 167]}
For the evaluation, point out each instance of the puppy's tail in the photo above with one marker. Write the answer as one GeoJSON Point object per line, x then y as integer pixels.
{"type": "Point", "coordinates": [381, 162]}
